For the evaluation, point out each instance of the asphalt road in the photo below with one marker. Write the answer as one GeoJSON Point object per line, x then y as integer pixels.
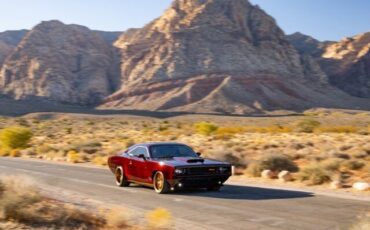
{"type": "Point", "coordinates": [234, 207]}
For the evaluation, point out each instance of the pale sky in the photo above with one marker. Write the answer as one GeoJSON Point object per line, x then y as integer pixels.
{"type": "Point", "coordinates": [322, 19]}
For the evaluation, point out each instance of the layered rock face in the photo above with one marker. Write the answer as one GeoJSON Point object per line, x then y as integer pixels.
{"type": "Point", "coordinates": [216, 56]}
{"type": "Point", "coordinates": [307, 45]}
{"type": "Point", "coordinates": [348, 65]}
{"type": "Point", "coordinates": [205, 56]}
{"type": "Point", "coordinates": [347, 62]}
{"type": "Point", "coordinates": [8, 41]}
{"type": "Point", "coordinates": [64, 63]}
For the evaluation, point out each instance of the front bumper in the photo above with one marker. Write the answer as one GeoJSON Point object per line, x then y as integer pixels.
{"type": "Point", "coordinates": [198, 181]}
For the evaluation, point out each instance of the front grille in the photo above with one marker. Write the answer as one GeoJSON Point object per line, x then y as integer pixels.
{"type": "Point", "coordinates": [203, 171]}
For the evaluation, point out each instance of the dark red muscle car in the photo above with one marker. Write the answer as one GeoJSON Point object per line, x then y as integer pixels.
{"type": "Point", "coordinates": [167, 167]}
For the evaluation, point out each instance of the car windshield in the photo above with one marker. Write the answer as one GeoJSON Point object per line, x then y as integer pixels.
{"type": "Point", "coordinates": [170, 151]}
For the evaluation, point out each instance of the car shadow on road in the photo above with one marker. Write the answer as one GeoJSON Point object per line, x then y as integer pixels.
{"type": "Point", "coordinates": [245, 193]}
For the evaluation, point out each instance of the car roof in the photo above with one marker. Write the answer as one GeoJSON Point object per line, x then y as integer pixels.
{"type": "Point", "coordinates": [149, 144]}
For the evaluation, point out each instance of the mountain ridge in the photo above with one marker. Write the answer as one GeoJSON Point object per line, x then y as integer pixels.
{"type": "Point", "coordinates": [202, 56]}
{"type": "Point", "coordinates": [346, 62]}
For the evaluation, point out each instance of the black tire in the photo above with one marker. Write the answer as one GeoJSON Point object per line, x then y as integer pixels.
{"type": "Point", "coordinates": [214, 188]}
{"type": "Point", "coordinates": [160, 184]}
{"type": "Point", "coordinates": [121, 179]}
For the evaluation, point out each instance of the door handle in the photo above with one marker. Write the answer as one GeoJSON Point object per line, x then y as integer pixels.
{"type": "Point", "coordinates": [130, 163]}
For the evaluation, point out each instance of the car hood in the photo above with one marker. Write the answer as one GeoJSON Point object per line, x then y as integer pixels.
{"type": "Point", "coordinates": [190, 161]}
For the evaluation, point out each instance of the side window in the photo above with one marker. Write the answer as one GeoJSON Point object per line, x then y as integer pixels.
{"type": "Point", "coordinates": [138, 151]}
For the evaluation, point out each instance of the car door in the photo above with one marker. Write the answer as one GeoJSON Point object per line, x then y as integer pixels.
{"type": "Point", "coordinates": [137, 164]}
{"type": "Point", "coordinates": [142, 166]}
{"type": "Point", "coordinates": [131, 166]}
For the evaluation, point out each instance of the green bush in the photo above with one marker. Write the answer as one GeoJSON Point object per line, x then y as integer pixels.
{"type": "Point", "coordinates": [205, 128]}
{"type": "Point", "coordinates": [314, 175]}
{"type": "Point", "coordinates": [307, 125]}
{"type": "Point", "coordinates": [15, 137]}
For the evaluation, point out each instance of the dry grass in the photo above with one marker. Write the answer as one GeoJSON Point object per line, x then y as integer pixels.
{"type": "Point", "coordinates": [73, 157]}
{"type": "Point", "coordinates": [100, 160]}
{"type": "Point", "coordinates": [314, 175]}
{"type": "Point", "coordinates": [363, 223]}
{"type": "Point", "coordinates": [22, 202]}
{"type": "Point", "coordinates": [275, 163]}
{"type": "Point", "coordinates": [338, 142]}
{"type": "Point", "coordinates": [159, 218]}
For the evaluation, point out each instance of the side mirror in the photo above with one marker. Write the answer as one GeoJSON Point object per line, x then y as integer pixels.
{"type": "Point", "coordinates": [199, 154]}
{"type": "Point", "coordinates": [142, 156]}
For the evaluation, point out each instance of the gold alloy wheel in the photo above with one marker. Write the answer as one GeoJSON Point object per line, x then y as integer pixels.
{"type": "Point", "coordinates": [159, 181]}
{"type": "Point", "coordinates": [118, 175]}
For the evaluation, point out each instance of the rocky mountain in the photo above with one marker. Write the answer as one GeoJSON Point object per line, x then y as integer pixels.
{"type": "Point", "coordinates": [205, 56]}
{"type": "Point", "coordinates": [109, 37]}
{"type": "Point", "coordinates": [307, 45]}
{"type": "Point", "coordinates": [224, 56]}
{"type": "Point", "coordinates": [65, 63]}
{"type": "Point", "coordinates": [347, 62]}
{"type": "Point", "coordinates": [8, 41]}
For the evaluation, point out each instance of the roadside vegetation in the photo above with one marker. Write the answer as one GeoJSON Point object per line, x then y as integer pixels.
{"type": "Point", "coordinates": [24, 206]}
{"type": "Point", "coordinates": [320, 147]}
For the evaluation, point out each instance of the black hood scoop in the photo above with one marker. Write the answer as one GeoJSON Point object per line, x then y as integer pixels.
{"type": "Point", "coordinates": [195, 160]}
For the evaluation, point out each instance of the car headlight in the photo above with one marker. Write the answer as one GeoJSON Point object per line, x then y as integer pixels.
{"type": "Point", "coordinates": [223, 169]}
{"type": "Point", "coordinates": [179, 171]}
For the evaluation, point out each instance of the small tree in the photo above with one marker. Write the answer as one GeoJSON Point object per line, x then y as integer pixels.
{"type": "Point", "coordinates": [15, 137]}
{"type": "Point", "coordinates": [205, 128]}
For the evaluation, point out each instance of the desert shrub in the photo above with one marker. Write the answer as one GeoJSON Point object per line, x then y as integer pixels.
{"type": "Point", "coordinates": [15, 137]}
{"type": "Point", "coordinates": [278, 163]}
{"type": "Point", "coordinates": [337, 129]}
{"type": "Point", "coordinates": [225, 132]}
{"type": "Point", "coordinates": [159, 218]}
{"type": "Point", "coordinates": [272, 162]}
{"type": "Point", "coordinates": [205, 128]}
{"type": "Point", "coordinates": [314, 175]}
{"type": "Point", "coordinates": [89, 147]}
{"type": "Point", "coordinates": [307, 125]}
{"type": "Point", "coordinates": [16, 194]}
{"type": "Point", "coordinates": [278, 129]}
{"type": "Point", "coordinates": [69, 130]}
{"type": "Point", "coordinates": [22, 202]}
{"type": "Point", "coordinates": [340, 155]}
{"type": "Point", "coordinates": [4, 152]}
{"type": "Point", "coordinates": [73, 157]}
{"type": "Point", "coordinates": [331, 164]}
{"type": "Point", "coordinates": [352, 165]}
{"type": "Point", "coordinates": [268, 129]}
{"type": "Point", "coordinates": [15, 153]}
{"type": "Point", "coordinates": [360, 154]}
{"type": "Point", "coordinates": [44, 148]}
{"type": "Point", "coordinates": [233, 159]}
{"type": "Point", "coordinates": [100, 160]}
{"type": "Point", "coordinates": [254, 169]}
{"type": "Point", "coordinates": [116, 218]}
